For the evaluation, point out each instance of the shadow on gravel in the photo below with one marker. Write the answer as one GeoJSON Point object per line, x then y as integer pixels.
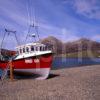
{"type": "Point", "coordinates": [20, 75]}
{"type": "Point", "coordinates": [53, 76]}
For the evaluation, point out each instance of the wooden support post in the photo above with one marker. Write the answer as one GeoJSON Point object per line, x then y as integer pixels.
{"type": "Point", "coordinates": [11, 70]}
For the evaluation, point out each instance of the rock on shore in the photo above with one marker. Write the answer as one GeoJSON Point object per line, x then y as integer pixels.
{"type": "Point", "coordinates": [79, 83]}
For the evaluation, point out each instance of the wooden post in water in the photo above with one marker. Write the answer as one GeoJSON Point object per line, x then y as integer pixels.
{"type": "Point", "coordinates": [11, 70]}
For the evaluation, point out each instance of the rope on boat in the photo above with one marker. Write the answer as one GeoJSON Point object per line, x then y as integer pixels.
{"type": "Point", "coordinates": [4, 74]}
{"type": "Point", "coordinates": [16, 38]}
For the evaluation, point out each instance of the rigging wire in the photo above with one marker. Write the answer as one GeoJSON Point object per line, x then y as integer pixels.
{"type": "Point", "coordinates": [2, 41]}
{"type": "Point", "coordinates": [31, 20]}
{"type": "Point", "coordinates": [31, 14]}
{"type": "Point", "coordinates": [16, 39]}
{"type": "Point", "coordinates": [28, 14]}
{"type": "Point", "coordinates": [35, 22]}
{"type": "Point", "coordinates": [14, 32]}
{"type": "Point", "coordinates": [36, 28]}
{"type": "Point", "coordinates": [8, 32]}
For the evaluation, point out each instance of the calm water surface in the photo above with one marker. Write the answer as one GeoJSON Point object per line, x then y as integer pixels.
{"type": "Point", "coordinates": [59, 63]}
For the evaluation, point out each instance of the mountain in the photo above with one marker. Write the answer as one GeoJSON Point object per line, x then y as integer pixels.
{"type": "Point", "coordinates": [56, 44]}
{"type": "Point", "coordinates": [80, 45]}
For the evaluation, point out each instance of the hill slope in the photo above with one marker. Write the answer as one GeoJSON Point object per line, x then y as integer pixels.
{"type": "Point", "coordinates": [81, 45]}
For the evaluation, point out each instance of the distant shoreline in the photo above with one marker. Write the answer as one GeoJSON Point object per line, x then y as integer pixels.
{"type": "Point", "coordinates": [75, 57]}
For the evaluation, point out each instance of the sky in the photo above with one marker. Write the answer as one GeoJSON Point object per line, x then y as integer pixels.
{"type": "Point", "coordinates": [67, 20]}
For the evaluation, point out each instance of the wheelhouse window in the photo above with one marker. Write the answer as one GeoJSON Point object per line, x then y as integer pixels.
{"type": "Point", "coordinates": [20, 50]}
{"type": "Point", "coordinates": [32, 48]}
{"type": "Point", "coordinates": [23, 50]}
{"type": "Point", "coordinates": [27, 49]}
{"type": "Point", "coordinates": [46, 47]}
{"type": "Point", "coordinates": [36, 48]}
{"type": "Point", "coordinates": [40, 48]}
{"type": "Point", "coordinates": [43, 48]}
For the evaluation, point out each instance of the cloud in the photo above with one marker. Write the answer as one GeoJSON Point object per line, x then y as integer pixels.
{"type": "Point", "coordinates": [87, 8]}
{"type": "Point", "coordinates": [13, 13]}
{"type": "Point", "coordinates": [50, 17]}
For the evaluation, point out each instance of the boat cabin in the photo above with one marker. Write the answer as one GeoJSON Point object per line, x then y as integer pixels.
{"type": "Point", "coordinates": [31, 47]}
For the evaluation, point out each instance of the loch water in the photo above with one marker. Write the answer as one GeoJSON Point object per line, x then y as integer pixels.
{"type": "Point", "coordinates": [62, 62]}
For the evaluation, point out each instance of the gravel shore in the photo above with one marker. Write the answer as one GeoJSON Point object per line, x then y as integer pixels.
{"type": "Point", "coordinates": [79, 83]}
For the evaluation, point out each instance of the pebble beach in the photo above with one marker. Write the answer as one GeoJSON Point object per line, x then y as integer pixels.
{"type": "Point", "coordinates": [78, 83]}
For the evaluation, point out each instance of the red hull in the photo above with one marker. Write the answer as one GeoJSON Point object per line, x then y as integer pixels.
{"type": "Point", "coordinates": [43, 61]}
{"type": "Point", "coordinates": [40, 65]}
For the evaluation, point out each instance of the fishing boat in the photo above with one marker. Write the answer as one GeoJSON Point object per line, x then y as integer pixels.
{"type": "Point", "coordinates": [32, 57]}
{"type": "Point", "coordinates": [35, 58]}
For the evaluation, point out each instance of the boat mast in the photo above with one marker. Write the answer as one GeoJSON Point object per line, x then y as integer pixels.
{"type": "Point", "coordinates": [32, 22]}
